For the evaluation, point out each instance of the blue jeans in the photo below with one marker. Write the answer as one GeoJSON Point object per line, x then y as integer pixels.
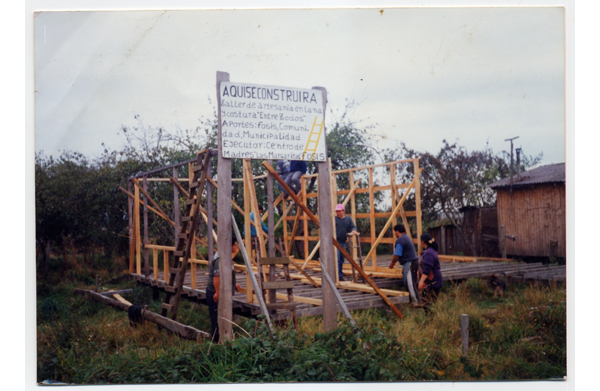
{"type": "Point", "coordinates": [405, 273]}
{"type": "Point", "coordinates": [341, 260]}
{"type": "Point", "coordinates": [283, 176]}
{"type": "Point", "coordinates": [293, 181]}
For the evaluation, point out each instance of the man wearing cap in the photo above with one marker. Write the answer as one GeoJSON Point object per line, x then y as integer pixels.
{"type": "Point", "coordinates": [343, 226]}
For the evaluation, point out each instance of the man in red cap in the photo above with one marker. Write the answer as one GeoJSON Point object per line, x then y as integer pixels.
{"type": "Point", "coordinates": [343, 226]}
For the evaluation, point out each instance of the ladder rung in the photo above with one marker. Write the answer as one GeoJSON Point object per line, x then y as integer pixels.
{"type": "Point", "coordinates": [174, 270]}
{"type": "Point", "coordinates": [166, 306]}
{"type": "Point", "coordinates": [281, 306]}
{"type": "Point", "coordinates": [186, 219]}
{"type": "Point", "coordinates": [195, 184]}
{"type": "Point", "coordinates": [190, 202]}
{"type": "Point", "coordinates": [183, 236]}
{"type": "Point", "coordinates": [170, 289]}
{"type": "Point", "coordinates": [278, 285]}
{"type": "Point", "coordinates": [199, 167]}
{"type": "Point", "coordinates": [179, 254]}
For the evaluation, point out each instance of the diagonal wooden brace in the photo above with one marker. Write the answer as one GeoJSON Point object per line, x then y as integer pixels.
{"type": "Point", "coordinates": [335, 242]}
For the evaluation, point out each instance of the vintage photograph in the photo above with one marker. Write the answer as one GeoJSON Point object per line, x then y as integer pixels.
{"type": "Point", "coordinates": [407, 165]}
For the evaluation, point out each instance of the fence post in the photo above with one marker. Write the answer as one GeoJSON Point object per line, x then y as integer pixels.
{"type": "Point", "coordinates": [464, 328]}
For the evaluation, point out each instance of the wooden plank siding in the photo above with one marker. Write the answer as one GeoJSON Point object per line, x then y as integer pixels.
{"type": "Point", "coordinates": [536, 218]}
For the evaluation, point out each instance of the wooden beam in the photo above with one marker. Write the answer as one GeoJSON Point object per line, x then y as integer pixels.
{"type": "Point", "coordinates": [146, 240]}
{"type": "Point", "coordinates": [138, 235]}
{"type": "Point", "coordinates": [131, 227]}
{"type": "Point", "coordinates": [180, 329]}
{"type": "Point", "coordinates": [225, 311]}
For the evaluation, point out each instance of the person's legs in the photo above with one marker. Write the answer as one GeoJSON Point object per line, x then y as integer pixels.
{"type": "Point", "coordinates": [284, 177]}
{"type": "Point", "coordinates": [406, 273]}
{"type": "Point", "coordinates": [409, 279]}
{"type": "Point", "coordinates": [212, 312]}
{"type": "Point", "coordinates": [293, 180]}
{"type": "Point", "coordinates": [414, 268]}
{"type": "Point", "coordinates": [341, 260]}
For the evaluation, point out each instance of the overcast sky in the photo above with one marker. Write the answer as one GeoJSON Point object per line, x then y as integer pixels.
{"type": "Point", "coordinates": [421, 74]}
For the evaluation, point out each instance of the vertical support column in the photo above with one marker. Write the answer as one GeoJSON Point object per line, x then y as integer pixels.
{"type": "Point", "coordinates": [146, 250]}
{"type": "Point", "coordinates": [138, 236]}
{"type": "Point", "coordinates": [464, 331]}
{"type": "Point", "coordinates": [271, 234]}
{"type": "Point", "coordinates": [326, 235]}
{"type": "Point", "coordinates": [166, 265]}
{"type": "Point", "coordinates": [305, 217]}
{"type": "Point", "coordinates": [247, 238]}
{"type": "Point", "coordinates": [224, 233]}
{"type": "Point", "coordinates": [372, 217]}
{"type": "Point", "coordinates": [353, 214]}
{"type": "Point", "coordinates": [155, 263]}
{"type": "Point", "coordinates": [334, 199]}
{"type": "Point", "coordinates": [418, 203]}
{"type": "Point", "coordinates": [176, 207]}
{"type": "Point", "coordinates": [131, 229]}
{"type": "Point", "coordinates": [394, 196]}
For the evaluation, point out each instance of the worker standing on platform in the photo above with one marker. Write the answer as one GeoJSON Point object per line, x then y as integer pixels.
{"type": "Point", "coordinates": [405, 254]}
{"type": "Point", "coordinates": [297, 169]}
{"type": "Point", "coordinates": [212, 288]}
{"type": "Point", "coordinates": [343, 226]}
{"type": "Point", "coordinates": [282, 167]}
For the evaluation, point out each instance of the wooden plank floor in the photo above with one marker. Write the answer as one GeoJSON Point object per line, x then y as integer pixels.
{"type": "Point", "coordinates": [354, 300]}
{"type": "Point", "coordinates": [512, 271]}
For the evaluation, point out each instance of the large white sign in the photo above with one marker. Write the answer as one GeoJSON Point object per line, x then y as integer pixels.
{"type": "Point", "coordinates": [266, 122]}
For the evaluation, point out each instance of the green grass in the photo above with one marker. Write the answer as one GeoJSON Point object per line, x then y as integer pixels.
{"type": "Point", "coordinates": [521, 336]}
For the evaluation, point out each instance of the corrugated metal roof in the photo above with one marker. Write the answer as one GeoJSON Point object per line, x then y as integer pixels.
{"type": "Point", "coordinates": [552, 173]}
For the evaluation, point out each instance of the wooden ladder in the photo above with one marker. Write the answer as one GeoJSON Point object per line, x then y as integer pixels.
{"type": "Point", "coordinates": [271, 285]}
{"type": "Point", "coordinates": [185, 237]}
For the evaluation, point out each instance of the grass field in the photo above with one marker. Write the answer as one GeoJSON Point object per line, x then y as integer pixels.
{"type": "Point", "coordinates": [520, 336]}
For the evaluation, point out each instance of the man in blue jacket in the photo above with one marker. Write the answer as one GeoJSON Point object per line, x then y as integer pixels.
{"type": "Point", "coordinates": [405, 254]}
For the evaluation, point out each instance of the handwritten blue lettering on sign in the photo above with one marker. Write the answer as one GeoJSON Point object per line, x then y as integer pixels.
{"type": "Point", "coordinates": [266, 122]}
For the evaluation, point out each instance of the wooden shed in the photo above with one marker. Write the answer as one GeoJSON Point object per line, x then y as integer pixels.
{"type": "Point", "coordinates": [481, 227]}
{"type": "Point", "coordinates": [532, 212]}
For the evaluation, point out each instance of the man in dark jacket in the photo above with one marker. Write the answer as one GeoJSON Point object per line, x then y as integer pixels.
{"type": "Point", "coordinates": [405, 254]}
{"type": "Point", "coordinates": [343, 226]}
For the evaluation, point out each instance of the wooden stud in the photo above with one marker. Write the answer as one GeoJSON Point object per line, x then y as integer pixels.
{"type": "Point", "coordinates": [417, 181]}
{"type": "Point", "coordinates": [303, 217]}
{"type": "Point", "coordinates": [146, 251]}
{"type": "Point", "coordinates": [155, 263]}
{"type": "Point", "coordinates": [247, 235]}
{"type": "Point", "coordinates": [165, 265]}
{"type": "Point", "coordinates": [138, 236]}
{"type": "Point", "coordinates": [225, 311]}
{"type": "Point", "coordinates": [131, 229]}
{"type": "Point", "coordinates": [372, 219]}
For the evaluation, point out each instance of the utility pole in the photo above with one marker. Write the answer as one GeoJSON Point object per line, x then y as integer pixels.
{"type": "Point", "coordinates": [511, 161]}
{"type": "Point", "coordinates": [518, 150]}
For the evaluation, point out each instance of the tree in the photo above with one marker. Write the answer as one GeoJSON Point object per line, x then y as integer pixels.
{"type": "Point", "coordinates": [455, 178]}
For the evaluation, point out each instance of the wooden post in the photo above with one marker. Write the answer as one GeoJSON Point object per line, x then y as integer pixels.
{"type": "Point", "coordinates": [271, 233]}
{"type": "Point", "coordinates": [131, 229]}
{"type": "Point", "coordinates": [247, 237]}
{"type": "Point", "coordinates": [138, 237]}
{"type": "Point", "coordinates": [443, 250]}
{"type": "Point", "coordinates": [326, 235]}
{"type": "Point", "coordinates": [502, 240]}
{"type": "Point", "coordinates": [166, 265]}
{"type": "Point", "coordinates": [176, 208]}
{"type": "Point", "coordinates": [304, 217]}
{"type": "Point", "coordinates": [225, 312]}
{"type": "Point", "coordinates": [464, 330]}
{"type": "Point", "coordinates": [209, 221]}
{"type": "Point", "coordinates": [372, 218]}
{"type": "Point", "coordinates": [146, 241]}
{"type": "Point", "coordinates": [417, 180]}
{"type": "Point", "coordinates": [155, 263]}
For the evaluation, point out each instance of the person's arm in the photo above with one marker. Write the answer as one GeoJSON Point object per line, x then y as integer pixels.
{"type": "Point", "coordinates": [422, 284]}
{"type": "Point", "coordinates": [216, 281]}
{"type": "Point", "coordinates": [397, 255]}
{"type": "Point", "coordinates": [264, 227]}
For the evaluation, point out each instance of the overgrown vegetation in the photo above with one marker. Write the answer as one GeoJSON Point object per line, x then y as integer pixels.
{"type": "Point", "coordinates": [520, 336]}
